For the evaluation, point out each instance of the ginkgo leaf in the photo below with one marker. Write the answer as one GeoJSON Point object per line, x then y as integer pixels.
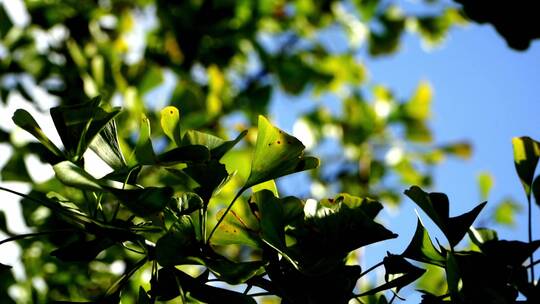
{"type": "Point", "coordinates": [24, 120]}
{"type": "Point", "coordinates": [526, 155]}
{"type": "Point", "coordinates": [143, 154]}
{"type": "Point", "coordinates": [170, 123]}
{"type": "Point", "coordinates": [436, 206]}
{"type": "Point", "coordinates": [276, 154]}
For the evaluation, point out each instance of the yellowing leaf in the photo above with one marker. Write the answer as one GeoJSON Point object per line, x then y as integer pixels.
{"type": "Point", "coordinates": [526, 154]}
{"type": "Point", "coordinates": [419, 106]}
{"type": "Point", "coordinates": [170, 123]}
{"type": "Point", "coordinates": [277, 154]}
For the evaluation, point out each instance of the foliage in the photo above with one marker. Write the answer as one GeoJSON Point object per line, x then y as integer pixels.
{"type": "Point", "coordinates": [292, 249]}
{"type": "Point", "coordinates": [211, 62]}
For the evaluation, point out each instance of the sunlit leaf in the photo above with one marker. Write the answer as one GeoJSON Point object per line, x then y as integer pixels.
{"type": "Point", "coordinates": [106, 146]}
{"type": "Point", "coordinates": [485, 183]}
{"type": "Point", "coordinates": [72, 175]}
{"type": "Point", "coordinates": [526, 154]}
{"type": "Point", "coordinates": [506, 211]}
{"type": "Point", "coordinates": [170, 123]}
{"type": "Point", "coordinates": [217, 146]}
{"type": "Point", "coordinates": [143, 154]}
{"type": "Point", "coordinates": [78, 124]}
{"type": "Point", "coordinates": [234, 230]}
{"type": "Point", "coordinates": [276, 154]}
{"type": "Point", "coordinates": [24, 120]}
{"type": "Point", "coordinates": [422, 249]}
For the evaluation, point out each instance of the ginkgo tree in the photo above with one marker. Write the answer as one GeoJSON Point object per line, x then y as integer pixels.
{"type": "Point", "coordinates": [154, 210]}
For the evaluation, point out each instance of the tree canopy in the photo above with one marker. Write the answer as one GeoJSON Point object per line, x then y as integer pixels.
{"type": "Point", "coordinates": [174, 97]}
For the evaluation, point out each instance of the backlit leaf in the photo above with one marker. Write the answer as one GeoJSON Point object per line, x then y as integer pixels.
{"type": "Point", "coordinates": [24, 120]}
{"type": "Point", "coordinates": [170, 123]}
{"type": "Point", "coordinates": [422, 249]}
{"type": "Point", "coordinates": [277, 154]}
{"type": "Point", "coordinates": [526, 154]}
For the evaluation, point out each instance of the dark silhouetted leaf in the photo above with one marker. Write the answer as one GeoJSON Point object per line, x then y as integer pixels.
{"type": "Point", "coordinates": [513, 253]}
{"type": "Point", "coordinates": [82, 251]}
{"type": "Point", "coordinates": [399, 273]}
{"type": "Point", "coordinates": [143, 297]}
{"type": "Point", "coordinates": [536, 190]}
{"type": "Point", "coordinates": [436, 206]}
{"type": "Point", "coordinates": [210, 294]}
{"type": "Point", "coordinates": [193, 153]}
{"type": "Point", "coordinates": [481, 235]}
{"type": "Point", "coordinates": [144, 202]}
{"type": "Point", "coordinates": [177, 244]}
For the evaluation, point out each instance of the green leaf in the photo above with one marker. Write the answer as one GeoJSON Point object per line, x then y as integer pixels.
{"type": "Point", "coordinates": [106, 146]}
{"type": "Point", "coordinates": [422, 249]}
{"type": "Point", "coordinates": [144, 202]}
{"type": "Point", "coordinates": [143, 154]}
{"type": "Point", "coordinates": [210, 176]}
{"type": "Point", "coordinates": [234, 230]}
{"type": "Point", "coordinates": [453, 278]}
{"type": "Point", "coordinates": [187, 203]}
{"type": "Point", "coordinates": [184, 154]}
{"type": "Point", "coordinates": [436, 206]}
{"type": "Point", "coordinates": [217, 146]}
{"type": "Point", "coordinates": [72, 175]}
{"type": "Point", "coordinates": [485, 183]}
{"type": "Point", "coordinates": [506, 211]}
{"type": "Point", "coordinates": [78, 124]}
{"type": "Point", "coordinates": [170, 123]}
{"type": "Point", "coordinates": [526, 154]}
{"type": "Point", "coordinates": [178, 243]}
{"type": "Point", "coordinates": [24, 120]}
{"type": "Point", "coordinates": [15, 169]}
{"type": "Point", "coordinates": [268, 185]}
{"type": "Point", "coordinates": [276, 154]}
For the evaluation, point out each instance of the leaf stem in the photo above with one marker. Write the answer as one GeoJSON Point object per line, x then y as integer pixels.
{"type": "Point", "coordinates": [225, 214]}
{"type": "Point", "coordinates": [529, 219]}
{"type": "Point", "coordinates": [371, 268]}
{"type": "Point", "coordinates": [26, 235]}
